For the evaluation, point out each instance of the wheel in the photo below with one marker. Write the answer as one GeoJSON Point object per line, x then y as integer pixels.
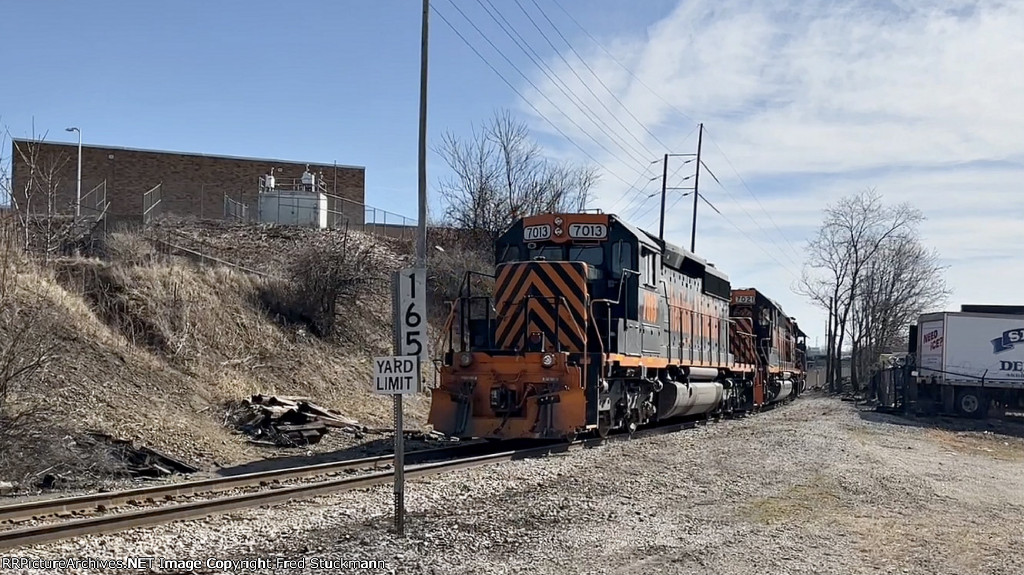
{"type": "Point", "coordinates": [972, 403]}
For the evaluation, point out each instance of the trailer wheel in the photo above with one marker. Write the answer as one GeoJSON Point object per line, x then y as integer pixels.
{"type": "Point", "coordinates": [972, 403]}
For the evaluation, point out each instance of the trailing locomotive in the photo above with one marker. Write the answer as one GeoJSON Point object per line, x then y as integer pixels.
{"type": "Point", "coordinates": [594, 325]}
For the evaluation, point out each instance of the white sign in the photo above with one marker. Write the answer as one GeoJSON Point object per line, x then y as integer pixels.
{"type": "Point", "coordinates": [989, 347]}
{"type": "Point", "coordinates": [535, 233]}
{"type": "Point", "coordinates": [399, 375]}
{"type": "Point", "coordinates": [930, 351]}
{"type": "Point", "coordinates": [411, 313]}
{"type": "Point", "coordinates": [588, 231]}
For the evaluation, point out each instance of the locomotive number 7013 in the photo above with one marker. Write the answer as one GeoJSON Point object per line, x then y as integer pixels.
{"type": "Point", "coordinates": [588, 231]}
{"type": "Point", "coordinates": [534, 233]}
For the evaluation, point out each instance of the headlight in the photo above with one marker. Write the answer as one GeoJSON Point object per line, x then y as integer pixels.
{"type": "Point", "coordinates": [547, 360]}
{"type": "Point", "coordinates": [465, 359]}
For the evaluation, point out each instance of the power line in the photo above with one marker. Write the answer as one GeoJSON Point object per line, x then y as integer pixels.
{"type": "Point", "coordinates": [525, 77]}
{"type": "Point", "coordinates": [553, 77]}
{"type": "Point", "coordinates": [520, 94]}
{"type": "Point", "coordinates": [658, 203]}
{"type": "Point", "coordinates": [578, 77]}
{"type": "Point", "coordinates": [632, 186]}
{"type": "Point", "coordinates": [738, 176]}
{"type": "Point", "coordinates": [621, 65]}
{"type": "Point", "coordinates": [755, 222]}
{"type": "Point", "coordinates": [638, 196]}
{"type": "Point", "coordinates": [760, 245]}
{"type": "Point", "coordinates": [598, 78]}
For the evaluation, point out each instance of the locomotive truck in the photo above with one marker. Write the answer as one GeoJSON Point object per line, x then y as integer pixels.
{"type": "Point", "coordinates": [594, 325]}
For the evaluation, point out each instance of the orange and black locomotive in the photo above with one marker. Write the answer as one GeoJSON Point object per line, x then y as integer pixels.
{"type": "Point", "coordinates": [594, 325]}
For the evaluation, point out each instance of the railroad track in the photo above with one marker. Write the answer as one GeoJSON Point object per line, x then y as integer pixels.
{"type": "Point", "coordinates": [197, 509]}
{"type": "Point", "coordinates": [444, 459]}
{"type": "Point", "coordinates": [104, 501]}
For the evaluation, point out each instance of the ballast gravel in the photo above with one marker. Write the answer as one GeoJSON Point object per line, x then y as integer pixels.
{"type": "Point", "coordinates": [816, 486]}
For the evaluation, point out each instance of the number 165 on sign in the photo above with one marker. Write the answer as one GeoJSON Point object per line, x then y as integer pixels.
{"type": "Point", "coordinates": [411, 313]}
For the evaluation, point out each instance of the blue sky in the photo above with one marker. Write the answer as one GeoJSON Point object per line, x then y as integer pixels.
{"type": "Point", "coordinates": [322, 81]}
{"type": "Point", "coordinates": [804, 101]}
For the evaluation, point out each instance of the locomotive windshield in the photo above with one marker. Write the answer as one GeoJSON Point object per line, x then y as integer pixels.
{"type": "Point", "coordinates": [589, 254]}
{"type": "Point", "coordinates": [593, 255]}
{"type": "Point", "coordinates": [549, 253]}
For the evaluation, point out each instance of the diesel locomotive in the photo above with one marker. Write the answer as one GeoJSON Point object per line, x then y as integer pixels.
{"type": "Point", "coordinates": [594, 325]}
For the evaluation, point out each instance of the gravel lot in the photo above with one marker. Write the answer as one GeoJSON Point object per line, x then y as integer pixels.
{"type": "Point", "coordinates": [814, 487]}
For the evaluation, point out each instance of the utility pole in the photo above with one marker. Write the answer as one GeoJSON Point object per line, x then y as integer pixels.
{"type": "Point", "coordinates": [696, 190]}
{"type": "Point", "coordinates": [421, 239]}
{"type": "Point", "coordinates": [665, 188]}
{"type": "Point", "coordinates": [402, 345]}
{"type": "Point", "coordinates": [829, 343]}
{"type": "Point", "coordinates": [664, 180]}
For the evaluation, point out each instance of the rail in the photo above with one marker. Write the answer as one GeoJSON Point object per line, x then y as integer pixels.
{"type": "Point", "coordinates": [55, 531]}
{"type": "Point", "coordinates": [478, 455]}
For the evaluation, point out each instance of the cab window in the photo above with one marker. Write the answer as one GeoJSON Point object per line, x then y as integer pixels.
{"type": "Point", "coordinates": [509, 253]}
{"type": "Point", "coordinates": [649, 263]}
{"type": "Point", "coordinates": [549, 253]}
{"type": "Point", "coordinates": [622, 258]}
{"type": "Point", "coordinates": [592, 255]}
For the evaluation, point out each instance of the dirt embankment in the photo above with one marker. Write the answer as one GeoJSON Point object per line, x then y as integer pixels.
{"type": "Point", "coordinates": [153, 343]}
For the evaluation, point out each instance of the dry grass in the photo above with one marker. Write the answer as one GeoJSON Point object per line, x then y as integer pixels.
{"type": "Point", "coordinates": [154, 348]}
{"type": "Point", "coordinates": [816, 498]}
{"type": "Point", "coordinates": [154, 351]}
{"type": "Point", "coordinates": [969, 545]}
{"type": "Point", "coordinates": [979, 443]}
{"type": "Point", "coordinates": [130, 248]}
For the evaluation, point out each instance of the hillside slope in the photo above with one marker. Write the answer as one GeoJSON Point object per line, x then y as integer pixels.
{"type": "Point", "coordinates": [154, 348]}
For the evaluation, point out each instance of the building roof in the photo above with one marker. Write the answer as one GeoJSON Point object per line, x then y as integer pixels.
{"type": "Point", "coordinates": [177, 153]}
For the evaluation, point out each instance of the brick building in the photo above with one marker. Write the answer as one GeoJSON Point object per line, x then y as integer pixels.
{"type": "Point", "coordinates": [199, 185]}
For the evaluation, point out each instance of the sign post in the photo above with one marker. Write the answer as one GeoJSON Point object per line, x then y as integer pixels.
{"type": "Point", "coordinates": [400, 375]}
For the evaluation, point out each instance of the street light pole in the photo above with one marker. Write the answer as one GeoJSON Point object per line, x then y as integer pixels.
{"type": "Point", "coordinates": [78, 193]}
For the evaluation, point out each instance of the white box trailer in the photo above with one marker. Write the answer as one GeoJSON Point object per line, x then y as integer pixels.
{"type": "Point", "coordinates": [969, 361]}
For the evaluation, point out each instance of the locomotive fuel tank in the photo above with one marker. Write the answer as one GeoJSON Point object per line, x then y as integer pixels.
{"type": "Point", "coordinates": [693, 398]}
{"type": "Point", "coordinates": [781, 388]}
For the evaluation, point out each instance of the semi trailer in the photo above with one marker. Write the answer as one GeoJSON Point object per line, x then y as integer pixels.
{"type": "Point", "coordinates": [968, 362]}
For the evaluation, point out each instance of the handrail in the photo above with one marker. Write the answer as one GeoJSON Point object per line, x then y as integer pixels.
{"type": "Point", "coordinates": [610, 303]}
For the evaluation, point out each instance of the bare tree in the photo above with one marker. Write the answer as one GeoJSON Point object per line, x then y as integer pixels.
{"type": "Point", "coordinates": [35, 201]}
{"type": "Point", "coordinates": [859, 237]}
{"type": "Point", "coordinates": [902, 281]}
{"type": "Point", "coordinates": [501, 174]}
{"type": "Point", "coordinates": [26, 347]}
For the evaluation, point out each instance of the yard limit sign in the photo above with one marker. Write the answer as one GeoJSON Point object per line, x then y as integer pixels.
{"type": "Point", "coordinates": [400, 374]}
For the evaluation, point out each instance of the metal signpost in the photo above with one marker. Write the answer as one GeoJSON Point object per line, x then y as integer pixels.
{"type": "Point", "coordinates": [400, 375]}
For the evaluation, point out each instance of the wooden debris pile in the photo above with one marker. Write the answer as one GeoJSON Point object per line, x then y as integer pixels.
{"type": "Point", "coordinates": [138, 460]}
{"type": "Point", "coordinates": [290, 420]}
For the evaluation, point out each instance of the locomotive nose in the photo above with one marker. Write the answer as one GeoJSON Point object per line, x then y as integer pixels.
{"type": "Point", "coordinates": [532, 395]}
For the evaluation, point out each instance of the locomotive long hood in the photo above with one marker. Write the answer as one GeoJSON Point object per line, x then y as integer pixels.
{"type": "Point", "coordinates": [542, 306]}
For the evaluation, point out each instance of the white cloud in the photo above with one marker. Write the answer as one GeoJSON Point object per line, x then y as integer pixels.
{"type": "Point", "coordinates": [914, 98]}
